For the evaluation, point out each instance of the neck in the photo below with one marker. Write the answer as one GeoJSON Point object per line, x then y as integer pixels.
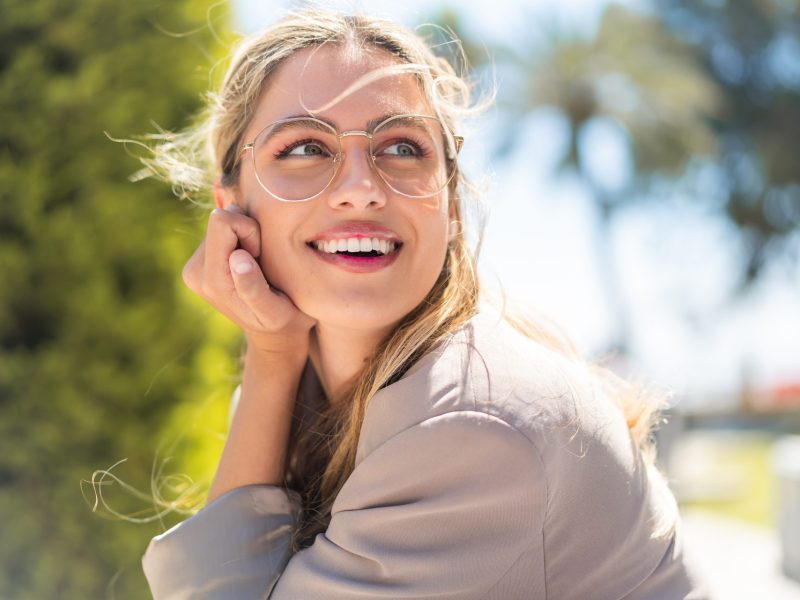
{"type": "Point", "coordinates": [339, 355]}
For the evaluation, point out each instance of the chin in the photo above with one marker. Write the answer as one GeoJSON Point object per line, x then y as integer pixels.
{"type": "Point", "coordinates": [360, 314]}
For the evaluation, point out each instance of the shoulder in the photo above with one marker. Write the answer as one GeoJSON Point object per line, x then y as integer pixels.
{"type": "Point", "coordinates": [490, 402]}
{"type": "Point", "coordinates": [488, 367]}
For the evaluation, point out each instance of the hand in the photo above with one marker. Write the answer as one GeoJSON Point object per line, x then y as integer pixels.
{"type": "Point", "coordinates": [224, 271]}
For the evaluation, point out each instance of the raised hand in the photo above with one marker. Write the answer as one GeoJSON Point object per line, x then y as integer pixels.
{"type": "Point", "coordinates": [224, 271]}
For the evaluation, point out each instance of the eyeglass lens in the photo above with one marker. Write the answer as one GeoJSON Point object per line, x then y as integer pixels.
{"type": "Point", "coordinates": [297, 159]}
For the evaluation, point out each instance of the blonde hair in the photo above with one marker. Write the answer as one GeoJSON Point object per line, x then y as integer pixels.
{"type": "Point", "coordinates": [322, 455]}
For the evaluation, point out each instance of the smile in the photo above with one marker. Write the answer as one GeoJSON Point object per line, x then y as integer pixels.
{"type": "Point", "coordinates": [357, 255]}
{"type": "Point", "coordinates": [357, 246]}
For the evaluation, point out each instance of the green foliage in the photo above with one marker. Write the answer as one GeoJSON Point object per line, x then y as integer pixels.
{"type": "Point", "coordinates": [750, 50]}
{"type": "Point", "coordinates": [100, 344]}
{"type": "Point", "coordinates": [747, 461]}
{"type": "Point", "coordinates": [706, 97]}
{"type": "Point", "coordinates": [700, 90]}
{"type": "Point", "coordinates": [633, 73]}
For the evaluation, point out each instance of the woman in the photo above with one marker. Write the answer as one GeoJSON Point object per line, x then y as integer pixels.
{"type": "Point", "coordinates": [395, 436]}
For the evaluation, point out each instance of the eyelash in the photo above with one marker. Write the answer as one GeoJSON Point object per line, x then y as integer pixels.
{"type": "Point", "coordinates": [418, 145]}
{"type": "Point", "coordinates": [284, 152]}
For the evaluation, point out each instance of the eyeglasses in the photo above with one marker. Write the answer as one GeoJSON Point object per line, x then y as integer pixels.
{"type": "Point", "coordinates": [296, 159]}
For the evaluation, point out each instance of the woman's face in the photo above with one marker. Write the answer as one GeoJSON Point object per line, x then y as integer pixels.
{"type": "Point", "coordinates": [334, 289]}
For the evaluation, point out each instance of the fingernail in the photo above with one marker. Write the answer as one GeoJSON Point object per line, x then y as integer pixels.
{"type": "Point", "coordinates": [240, 267]}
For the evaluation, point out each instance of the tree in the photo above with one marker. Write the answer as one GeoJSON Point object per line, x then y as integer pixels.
{"type": "Point", "coordinates": [687, 87]}
{"type": "Point", "coordinates": [750, 50]}
{"type": "Point", "coordinates": [632, 77]}
{"type": "Point", "coordinates": [98, 342]}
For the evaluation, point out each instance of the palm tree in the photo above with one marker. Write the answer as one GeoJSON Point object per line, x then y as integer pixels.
{"type": "Point", "coordinates": [751, 51]}
{"type": "Point", "coordinates": [632, 74]}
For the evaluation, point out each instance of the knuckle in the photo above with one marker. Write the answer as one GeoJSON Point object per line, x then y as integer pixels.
{"type": "Point", "coordinates": [251, 229]}
{"type": "Point", "coordinates": [206, 289]}
{"type": "Point", "coordinates": [217, 216]}
{"type": "Point", "coordinates": [189, 276]}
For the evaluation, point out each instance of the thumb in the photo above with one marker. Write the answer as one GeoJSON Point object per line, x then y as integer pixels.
{"type": "Point", "coordinates": [247, 278]}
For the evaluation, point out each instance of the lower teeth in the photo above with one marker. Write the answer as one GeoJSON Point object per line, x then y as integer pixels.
{"type": "Point", "coordinates": [372, 254]}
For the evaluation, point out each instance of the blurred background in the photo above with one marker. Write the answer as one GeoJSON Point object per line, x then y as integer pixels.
{"type": "Point", "coordinates": [642, 178]}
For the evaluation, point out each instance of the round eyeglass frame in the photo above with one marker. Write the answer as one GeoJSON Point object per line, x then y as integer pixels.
{"type": "Point", "coordinates": [458, 142]}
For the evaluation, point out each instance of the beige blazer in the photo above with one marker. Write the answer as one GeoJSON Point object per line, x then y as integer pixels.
{"type": "Point", "coordinates": [492, 470]}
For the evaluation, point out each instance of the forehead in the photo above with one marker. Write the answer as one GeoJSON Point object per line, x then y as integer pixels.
{"type": "Point", "coordinates": [313, 80]}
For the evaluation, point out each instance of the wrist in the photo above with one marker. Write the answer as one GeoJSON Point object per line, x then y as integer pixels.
{"type": "Point", "coordinates": [287, 350]}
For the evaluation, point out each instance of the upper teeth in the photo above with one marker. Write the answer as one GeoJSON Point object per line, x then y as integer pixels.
{"type": "Point", "coordinates": [354, 245]}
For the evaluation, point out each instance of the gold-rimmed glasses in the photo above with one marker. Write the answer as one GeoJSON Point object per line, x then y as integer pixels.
{"type": "Point", "coordinates": [297, 158]}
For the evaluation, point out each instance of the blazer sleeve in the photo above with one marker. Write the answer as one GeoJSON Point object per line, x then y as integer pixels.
{"type": "Point", "coordinates": [441, 509]}
{"type": "Point", "coordinates": [234, 547]}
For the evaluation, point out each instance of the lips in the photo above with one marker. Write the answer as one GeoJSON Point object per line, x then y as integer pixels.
{"type": "Point", "coordinates": [357, 262]}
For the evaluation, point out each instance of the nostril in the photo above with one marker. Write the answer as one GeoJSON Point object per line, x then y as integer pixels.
{"type": "Point", "coordinates": [363, 191]}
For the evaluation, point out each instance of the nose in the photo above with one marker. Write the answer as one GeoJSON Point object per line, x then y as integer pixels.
{"type": "Point", "coordinates": [356, 184]}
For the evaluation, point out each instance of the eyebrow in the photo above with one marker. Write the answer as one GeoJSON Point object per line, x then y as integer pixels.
{"type": "Point", "coordinates": [293, 124]}
{"type": "Point", "coordinates": [371, 124]}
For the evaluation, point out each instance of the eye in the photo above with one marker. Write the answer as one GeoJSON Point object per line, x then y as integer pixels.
{"type": "Point", "coordinates": [303, 148]}
{"type": "Point", "coordinates": [403, 148]}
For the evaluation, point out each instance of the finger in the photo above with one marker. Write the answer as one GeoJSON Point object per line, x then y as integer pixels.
{"type": "Point", "coordinates": [251, 285]}
{"type": "Point", "coordinates": [193, 269]}
{"type": "Point", "coordinates": [226, 231]}
{"type": "Point", "coordinates": [246, 228]}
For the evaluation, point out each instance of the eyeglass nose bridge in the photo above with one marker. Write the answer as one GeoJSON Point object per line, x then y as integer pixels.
{"type": "Point", "coordinates": [339, 158]}
{"type": "Point", "coordinates": [352, 132]}
{"type": "Point", "coordinates": [366, 134]}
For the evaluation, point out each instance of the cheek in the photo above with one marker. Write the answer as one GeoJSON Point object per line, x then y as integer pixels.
{"type": "Point", "coordinates": [269, 261]}
{"type": "Point", "coordinates": [274, 247]}
{"type": "Point", "coordinates": [433, 246]}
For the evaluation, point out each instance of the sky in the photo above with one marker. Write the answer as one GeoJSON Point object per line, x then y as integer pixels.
{"type": "Point", "coordinates": [673, 260]}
